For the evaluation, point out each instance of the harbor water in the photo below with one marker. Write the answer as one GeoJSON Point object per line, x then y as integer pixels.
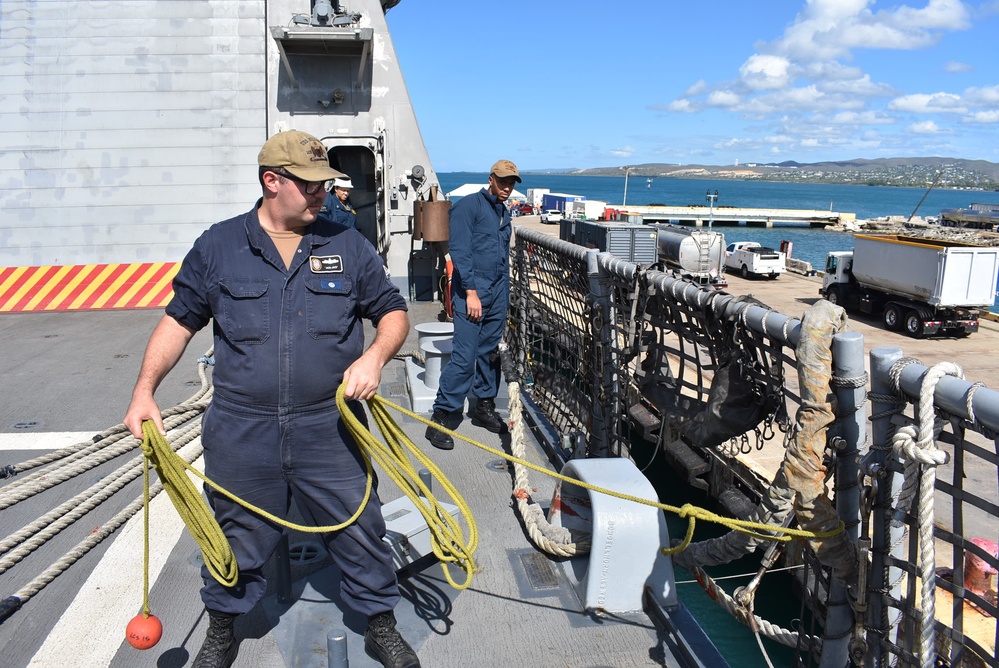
{"type": "Point", "coordinates": [809, 244]}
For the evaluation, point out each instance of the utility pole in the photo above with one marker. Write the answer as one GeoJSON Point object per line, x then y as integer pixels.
{"type": "Point", "coordinates": [711, 199]}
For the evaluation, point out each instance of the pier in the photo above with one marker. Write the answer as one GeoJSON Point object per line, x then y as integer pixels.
{"type": "Point", "coordinates": [724, 216]}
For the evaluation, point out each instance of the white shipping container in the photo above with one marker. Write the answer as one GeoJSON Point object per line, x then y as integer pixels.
{"type": "Point", "coordinates": [590, 209]}
{"type": "Point", "coordinates": [535, 195]}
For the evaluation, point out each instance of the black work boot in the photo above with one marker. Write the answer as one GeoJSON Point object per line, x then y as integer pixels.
{"type": "Point", "coordinates": [437, 438]}
{"type": "Point", "coordinates": [383, 641]}
{"type": "Point", "coordinates": [219, 650]}
{"type": "Point", "coordinates": [484, 415]}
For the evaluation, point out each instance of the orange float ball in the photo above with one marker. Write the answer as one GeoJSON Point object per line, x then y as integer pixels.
{"type": "Point", "coordinates": [143, 632]}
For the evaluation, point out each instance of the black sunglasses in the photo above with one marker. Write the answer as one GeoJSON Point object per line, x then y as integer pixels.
{"type": "Point", "coordinates": [311, 187]}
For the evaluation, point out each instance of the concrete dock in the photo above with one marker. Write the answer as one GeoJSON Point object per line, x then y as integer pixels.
{"type": "Point", "coordinates": [728, 216]}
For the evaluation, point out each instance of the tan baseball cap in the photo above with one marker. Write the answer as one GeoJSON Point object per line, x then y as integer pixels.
{"type": "Point", "coordinates": [504, 168]}
{"type": "Point", "coordinates": [300, 154]}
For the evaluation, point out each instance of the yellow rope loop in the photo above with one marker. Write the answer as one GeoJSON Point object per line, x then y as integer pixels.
{"type": "Point", "coordinates": [447, 539]}
{"type": "Point", "coordinates": [691, 512]}
{"type": "Point", "coordinates": [448, 542]}
{"type": "Point", "coordinates": [327, 528]}
{"type": "Point", "coordinates": [215, 550]}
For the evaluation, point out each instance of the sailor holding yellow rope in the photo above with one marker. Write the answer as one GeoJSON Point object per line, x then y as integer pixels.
{"type": "Point", "coordinates": [285, 293]}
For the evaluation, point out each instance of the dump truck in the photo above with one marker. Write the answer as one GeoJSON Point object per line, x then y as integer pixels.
{"type": "Point", "coordinates": [919, 285]}
{"type": "Point", "coordinates": [749, 258]}
{"type": "Point", "coordinates": [694, 254]}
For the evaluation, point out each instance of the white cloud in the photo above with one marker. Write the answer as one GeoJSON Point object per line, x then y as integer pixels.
{"type": "Point", "coordinates": [762, 72]}
{"type": "Point", "coordinates": [807, 98]}
{"type": "Point", "coordinates": [921, 103]}
{"type": "Point", "coordinates": [983, 117]}
{"type": "Point", "coordinates": [859, 86]}
{"type": "Point", "coordinates": [982, 97]}
{"type": "Point", "coordinates": [956, 67]}
{"type": "Point", "coordinates": [804, 87]}
{"type": "Point", "coordinates": [697, 89]}
{"type": "Point", "coordinates": [737, 143]}
{"type": "Point", "coordinates": [625, 152]}
{"type": "Point", "coordinates": [723, 98]}
{"type": "Point", "coordinates": [779, 139]}
{"type": "Point", "coordinates": [829, 29]}
{"type": "Point", "coordinates": [924, 128]}
{"type": "Point", "coordinates": [861, 118]}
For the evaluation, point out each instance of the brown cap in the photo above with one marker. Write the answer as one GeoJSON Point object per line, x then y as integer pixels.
{"type": "Point", "coordinates": [300, 154]}
{"type": "Point", "coordinates": [504, 168]}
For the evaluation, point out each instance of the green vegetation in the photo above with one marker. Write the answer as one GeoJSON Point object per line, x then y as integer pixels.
{"type": "Point", "coordinates": [903, 172]}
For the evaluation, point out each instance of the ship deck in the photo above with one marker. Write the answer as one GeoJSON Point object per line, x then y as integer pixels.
{"type": "Point", "coordinates": [68, 376]}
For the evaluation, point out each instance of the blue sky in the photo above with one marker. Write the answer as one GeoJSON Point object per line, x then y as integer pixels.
{"type": "Point", "coordinates": [580, 83]}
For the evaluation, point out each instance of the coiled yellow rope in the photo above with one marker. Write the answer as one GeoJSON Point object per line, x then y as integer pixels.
{"type": "Point", "coordinates": [215, 550]}
{"type": "Point", "coordinates": [447, 539]}
{"type": "Point", "coordinates": [448, 542]}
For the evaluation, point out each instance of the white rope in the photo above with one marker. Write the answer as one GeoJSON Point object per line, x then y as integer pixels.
{"type": "Point", "coordinates": [78, 459]}
{"type": "Point", "coordinates": [545, 536]}
{"type": "Point", "coordinates": [83, 460]}
{"type": "Point", "coordinates": [33, 535]}
{"type": "Point", "coordinates": [776, 633]}
{"type": "Point", "coordinates": [918, 450]}
{"type": "Point", "coordinates": [183, 429]}
{"type": "Point", "coordinates": [95, 537]}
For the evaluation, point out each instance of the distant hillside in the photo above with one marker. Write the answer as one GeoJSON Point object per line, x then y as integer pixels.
{"type": "Point", "coordinates": [917, 172]}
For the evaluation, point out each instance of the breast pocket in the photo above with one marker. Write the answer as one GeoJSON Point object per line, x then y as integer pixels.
{"type": "Point", "coordinates": [329, 306]}
{"type": "Point", "coordinates": [245, 310]}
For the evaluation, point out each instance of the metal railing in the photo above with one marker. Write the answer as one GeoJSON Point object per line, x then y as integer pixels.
{"type": "Point", "coordinates": [613, 353]}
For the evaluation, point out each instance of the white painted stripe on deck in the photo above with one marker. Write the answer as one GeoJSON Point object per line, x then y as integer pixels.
{"type": "Point", "coordinates": [94, 623]}
{"type": "Point", "coordinates": [52, 440]}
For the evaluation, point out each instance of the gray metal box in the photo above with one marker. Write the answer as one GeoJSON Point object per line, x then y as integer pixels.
{"type": "Point", "coordinates": [634, 243]}
{"type": "Point", "coordinates": [567, 230]}
{"type": "Point", "coordinates": [406, 531]}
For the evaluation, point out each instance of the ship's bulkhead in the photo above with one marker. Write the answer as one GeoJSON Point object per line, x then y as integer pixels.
{"type": "Point", "coordinates": [123, 151]}
{"type": "Point", "coordinates": [324, 82]}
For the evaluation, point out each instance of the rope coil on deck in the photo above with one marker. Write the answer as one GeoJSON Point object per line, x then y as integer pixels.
{"type": "Point", "coordinates": [82, 457]}
{"type": "Point", "coordinates": [552, 539]}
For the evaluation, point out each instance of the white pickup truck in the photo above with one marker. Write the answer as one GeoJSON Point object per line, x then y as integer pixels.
{"type": "Point", "coordinates": [749, 258]}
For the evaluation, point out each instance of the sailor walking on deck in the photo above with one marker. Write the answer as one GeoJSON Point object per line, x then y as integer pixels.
{"type": "Point", "coordinates": [285, 293]}
{"type": "Point", "coordinates": [480, 251]}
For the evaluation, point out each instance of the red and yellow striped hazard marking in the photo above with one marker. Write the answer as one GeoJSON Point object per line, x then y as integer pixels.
{"type": "Point", "coordinates": [85, 287]}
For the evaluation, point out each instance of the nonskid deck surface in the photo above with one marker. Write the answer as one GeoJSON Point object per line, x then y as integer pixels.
{"type": "Point", "coordinates": [69, 376]}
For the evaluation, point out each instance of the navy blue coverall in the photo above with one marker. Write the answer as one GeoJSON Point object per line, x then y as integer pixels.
{"type": "Point", "coordinates": [338, 212]}
{"type": "Point", "coordinates": [480, 253]}
{"type": "Point", "coordinates": [283, 339]}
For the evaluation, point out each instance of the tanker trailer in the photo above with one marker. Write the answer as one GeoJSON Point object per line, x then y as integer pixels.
{"type": "Point", "coordinates": [695, 254]}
